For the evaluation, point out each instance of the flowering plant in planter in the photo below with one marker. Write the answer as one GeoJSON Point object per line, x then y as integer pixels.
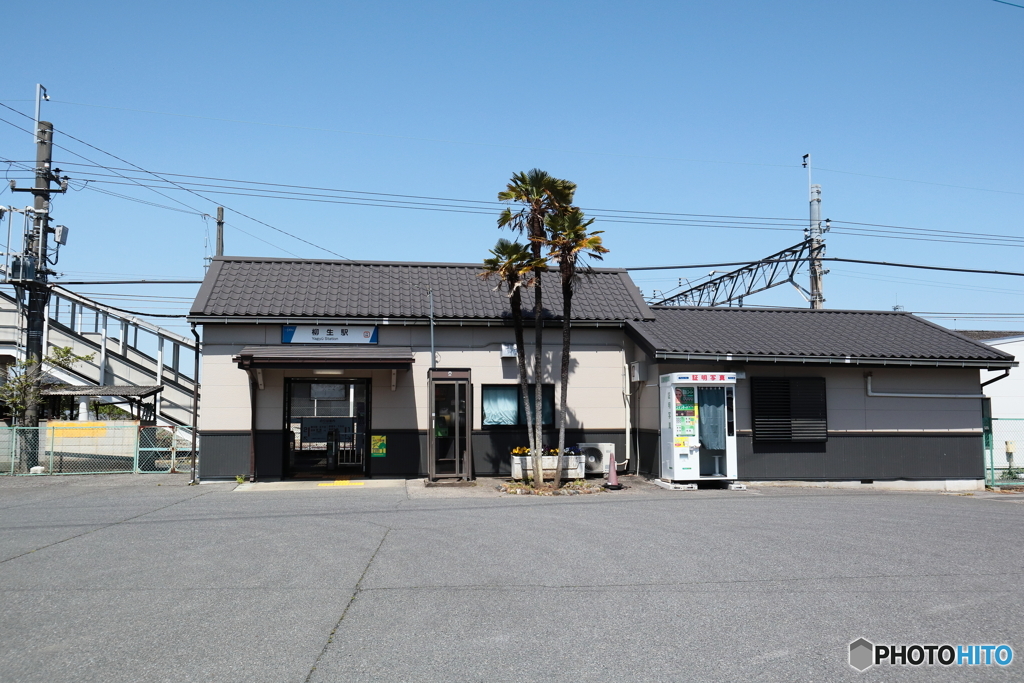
{"type": "Point", "coordinates": [520, 450]}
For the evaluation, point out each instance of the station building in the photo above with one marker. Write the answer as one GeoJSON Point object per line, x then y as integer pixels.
{"type": "Point", "coordinates": [341, 368]}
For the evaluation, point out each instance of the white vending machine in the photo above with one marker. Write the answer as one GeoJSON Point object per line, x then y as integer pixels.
{"type": "Point", "coordinates": [698, 426]}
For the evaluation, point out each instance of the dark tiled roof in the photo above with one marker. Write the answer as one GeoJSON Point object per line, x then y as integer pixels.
{"type": "Point", "coordinates": [288, 288]}
{"type": "Point", "coordinates": [805, 334]}
{"type": "Point", "coordinates": [989, 335]}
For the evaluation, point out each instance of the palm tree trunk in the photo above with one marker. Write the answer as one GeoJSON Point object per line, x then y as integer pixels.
{"type": "Point", "coordinates": [564, 374]}
{"type": "Point", "coordinates": [524, 382]}
{"type": "Point", "coordinates": [538, 405]}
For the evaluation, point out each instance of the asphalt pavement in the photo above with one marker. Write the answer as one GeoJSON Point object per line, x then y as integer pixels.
{"type": "Point", "coordinates": [141, 578]}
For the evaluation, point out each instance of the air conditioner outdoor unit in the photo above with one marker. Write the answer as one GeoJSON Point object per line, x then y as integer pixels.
{"type": "Point", "coordinates": [597, 456]}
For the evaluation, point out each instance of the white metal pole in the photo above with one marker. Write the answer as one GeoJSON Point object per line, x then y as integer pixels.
{"type": "Point", "coordinates": [46, 328]}
{"type": "Point", "coordinates": [159, 374]}
{"type": "Point", "coordinates": [40, 95]}
{"type": "Point", "coordinates": [433, 356]}
{"type": "Point", "coordinates": [103, 352]}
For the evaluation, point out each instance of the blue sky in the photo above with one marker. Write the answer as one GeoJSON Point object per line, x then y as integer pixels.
{"type": "Point", "coordinates": [910, 109]}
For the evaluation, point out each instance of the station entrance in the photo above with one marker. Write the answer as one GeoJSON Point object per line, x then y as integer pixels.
{"type": "Point", "coordinates": [325, 427]}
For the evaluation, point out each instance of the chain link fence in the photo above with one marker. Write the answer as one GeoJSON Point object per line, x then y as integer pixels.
{"type": "Point", "coordinates": [1005, 464]}
{"type": "Point", "coordinates": [68, 448]}
{"type": "Point", "coordinates": [165, 449]}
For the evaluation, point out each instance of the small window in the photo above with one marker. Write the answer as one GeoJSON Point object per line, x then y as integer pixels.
{"type": "Point", "coordinates": [502, 404]}
{"type": "Point", "coordinates": [789, 408]}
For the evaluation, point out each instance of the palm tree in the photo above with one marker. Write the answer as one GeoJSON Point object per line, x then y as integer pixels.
{"type": "Point", "coordinates": [569, 242]}
{"type": "Point", "coordinates": [513, 263]}
{"type": "Point", "coordinates": [541, 195]}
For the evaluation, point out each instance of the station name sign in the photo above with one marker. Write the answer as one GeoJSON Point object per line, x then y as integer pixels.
{"type": "Point", "coordinates": [329, 334]}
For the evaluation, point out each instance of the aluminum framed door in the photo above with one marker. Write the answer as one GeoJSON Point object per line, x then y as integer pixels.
{"type": "Point", "coordinates": [449, 435]}
{"type": "Point", "coordinates": [325, 426]}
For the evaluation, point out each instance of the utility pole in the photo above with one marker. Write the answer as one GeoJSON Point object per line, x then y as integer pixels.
{"type": "Point", "coordinates": [35, 254]}
{"type": "Point", "coordinates": [220, 231]}
{"type": "Point", "coordinates": [31, 272]}
{"type": "Point", "coordinates": [814, 235]}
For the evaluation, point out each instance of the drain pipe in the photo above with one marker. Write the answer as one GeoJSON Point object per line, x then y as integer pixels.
{"type": "Point", "coordinates": [636, 408]}
{"type": "Point", "coordinates": [1006, 373]}
{"type": "Point", "coordinates": [627, 400]}
{"type": "Point", "coordinates": [881, 394]}
{"type": "Point", "coordinates": [195, 406]}
{"type": "Point", "coordinates": [433, 355]}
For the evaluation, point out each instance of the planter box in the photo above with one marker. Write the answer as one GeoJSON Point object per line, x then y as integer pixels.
{"type": "Point", "coordinates": [573, 466]}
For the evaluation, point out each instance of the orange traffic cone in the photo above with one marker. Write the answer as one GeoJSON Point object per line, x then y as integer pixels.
{"type": "Point", "coordinates": [613, 476]}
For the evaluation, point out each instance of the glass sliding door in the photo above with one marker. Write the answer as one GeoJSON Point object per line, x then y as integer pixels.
{"type": "Point", "coordinates": [325, 427]}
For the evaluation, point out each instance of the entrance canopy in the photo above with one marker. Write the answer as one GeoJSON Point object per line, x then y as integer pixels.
{"type": "Point", "coordinates": [294, 356]}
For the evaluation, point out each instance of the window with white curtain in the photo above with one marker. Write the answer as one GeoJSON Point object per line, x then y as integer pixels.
{"type": "Point", "coordinates": [502, 404]}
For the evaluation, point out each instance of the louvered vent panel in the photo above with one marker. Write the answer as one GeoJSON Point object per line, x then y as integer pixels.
{"type": "Point", "coordinates": [789, 409]}
{"type": "Point", "coordinates": [808, 408]}
{"type": "Point", "coordinates": [770, 404]}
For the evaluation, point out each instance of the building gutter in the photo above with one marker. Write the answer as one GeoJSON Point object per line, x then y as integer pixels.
{"type": "Point", "coordinates": [832, 360]}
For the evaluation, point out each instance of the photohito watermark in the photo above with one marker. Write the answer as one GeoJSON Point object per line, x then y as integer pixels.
{"type": "Point", "coordinates": [864, 654]}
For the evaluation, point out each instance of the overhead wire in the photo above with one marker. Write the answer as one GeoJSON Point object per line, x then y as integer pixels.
{"type": "Point", "coordinates": [139, 168]}
{"type": "Point", "coordinates": [979, 239]}
{"type": "Point", "coordinates": [829, 258]}
{"type": "Point", "coordinates": [542, 149]}
{"type": "Point", "coordinates": [447, 204]}
{"type": "Point", "coordinates": [240, 213]}
{"type": "Point", "coordinates": [473, 206]}
{"type": "Point", "coordinates": [916, 282]}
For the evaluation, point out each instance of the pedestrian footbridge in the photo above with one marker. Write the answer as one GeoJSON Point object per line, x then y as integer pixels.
{"type": "Point", "coordinates": [127, 352]}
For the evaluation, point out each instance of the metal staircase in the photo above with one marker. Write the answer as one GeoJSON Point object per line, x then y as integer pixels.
{"type": "Point", "coordinates": [126, 350]}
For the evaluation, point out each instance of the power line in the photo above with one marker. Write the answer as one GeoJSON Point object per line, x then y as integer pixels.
{"type": "Point", "coordinates": [324, 189]}
{"type": "Point", "coordinates": [473, 206]}
{"type": "Point", "coordinates": [382, 199]}
{"type": "Point", "coordinates": [915, 282]}
{"type": "Point", "coordinates": [843, 260]}
{"type": "Point", "coordinates": [956, 237]}
{"type": "Point", "coordinates": [421, 139]}
{"type": "Point", "coordinates": [540, 149]}
{"type": "Point", "coordinates": [171, 182]}
{"type": "Point", "coordinates": [1011, 4]}
{"type": "Point", "coordinates": [256, 220]}
{"type": "Point", "coordinates": [131, 282]}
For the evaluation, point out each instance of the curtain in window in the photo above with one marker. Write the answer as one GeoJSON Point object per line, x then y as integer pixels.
{"type": "Point", "coordinates": [547, 404]}
{"type": "Point", "coordinates": [711, 414]}
{"type": "Point", "coordinates": [501, 405]}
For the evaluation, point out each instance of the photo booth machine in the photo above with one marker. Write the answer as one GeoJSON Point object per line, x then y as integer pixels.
{"type": "Point", "coordinates": [698, 426]}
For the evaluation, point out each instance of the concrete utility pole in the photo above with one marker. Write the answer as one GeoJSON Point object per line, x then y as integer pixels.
{"type": "Point", "coordinates": [220, 231]}
{"type": "Point", "coordinates": [35, 254]}
{"type": "Point", "coordinates": [814, 236]}
{"type": "Point", "coordinates": [31, 271]}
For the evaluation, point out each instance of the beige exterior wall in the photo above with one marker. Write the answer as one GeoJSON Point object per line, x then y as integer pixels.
{"type": "Point", "coordinates": [596, 381]}
{"type": "Point", "coordinates": [224, 396]}
{"type": "Point", "coordinates": [850, 409]}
